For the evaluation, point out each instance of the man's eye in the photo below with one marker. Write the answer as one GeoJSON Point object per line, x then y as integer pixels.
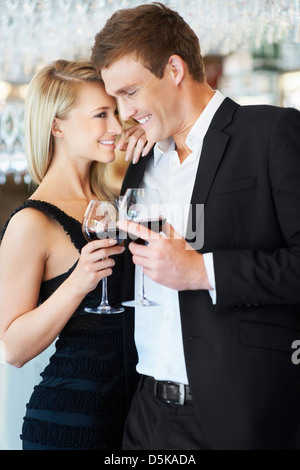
{"type": "Point", "coordinates": [131, 93]}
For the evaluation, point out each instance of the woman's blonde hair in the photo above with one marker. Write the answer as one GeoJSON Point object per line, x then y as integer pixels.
{"type": "Point", "coordinates": [53, 92]}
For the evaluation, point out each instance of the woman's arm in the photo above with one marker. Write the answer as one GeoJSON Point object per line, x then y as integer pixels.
{"type": "Point", "coordinates": [27, 328]}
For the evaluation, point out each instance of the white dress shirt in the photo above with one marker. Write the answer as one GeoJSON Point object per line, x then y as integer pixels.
{"type": "Point", "coordinates": [158, 334]}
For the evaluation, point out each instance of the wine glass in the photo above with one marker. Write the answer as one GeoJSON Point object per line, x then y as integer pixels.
{"type": "Point", "coordinates": [100, 222]}
{"type": "Point", "coordinates": [143, 206]}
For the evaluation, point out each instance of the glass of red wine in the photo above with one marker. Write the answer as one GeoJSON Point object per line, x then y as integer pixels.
{"type": "Point", "coordinates": [100, 222]}
{"type": "Point", "coordinates": [145, 207]}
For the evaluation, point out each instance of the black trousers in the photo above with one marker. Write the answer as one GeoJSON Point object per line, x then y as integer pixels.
{"type": "Point", "coordinates": [153, 424]}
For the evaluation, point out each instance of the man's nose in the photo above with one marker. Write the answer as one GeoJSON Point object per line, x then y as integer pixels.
{"type": "Point", "coordinates": [126, 110]}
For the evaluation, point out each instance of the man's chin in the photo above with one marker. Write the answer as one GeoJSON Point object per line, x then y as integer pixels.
{"type": "Point", "coordinates": [153, 136]}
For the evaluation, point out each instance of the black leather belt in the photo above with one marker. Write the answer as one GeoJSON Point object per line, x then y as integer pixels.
{"type": "Point", "coordinates": [170, 392]}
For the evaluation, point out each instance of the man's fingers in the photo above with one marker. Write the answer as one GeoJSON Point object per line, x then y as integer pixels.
{"type": "Point", "coordinates": [138, 230]}
{"type": "Point", "coordinates": [168, 231]}
{"type": "Point", "coordinates": [141, 231]}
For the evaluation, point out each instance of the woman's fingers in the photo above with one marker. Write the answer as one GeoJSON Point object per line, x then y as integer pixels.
{"type": "Point", "coordinates": [101, 265]}
{"type": "Point", "coordinates": [98, 252]}
{"type": "Point", "coordinates": [108, 245]}
{"type": "Point", "coordinates": [134, 142]}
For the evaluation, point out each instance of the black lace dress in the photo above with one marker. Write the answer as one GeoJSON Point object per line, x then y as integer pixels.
{"type": "Point", "coordinates": [80, 402]}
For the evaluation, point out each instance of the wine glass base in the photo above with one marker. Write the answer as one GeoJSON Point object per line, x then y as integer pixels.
{"type": "Point", "coordinates": [140, 303]}
{"type": "Point", "coordinates": [104, 310]}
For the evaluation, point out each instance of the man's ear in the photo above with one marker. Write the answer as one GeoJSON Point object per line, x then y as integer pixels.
{"type": "Point", "coordinates": [56, 128]}
{"type": "Point", "coordinates": [176, 66]}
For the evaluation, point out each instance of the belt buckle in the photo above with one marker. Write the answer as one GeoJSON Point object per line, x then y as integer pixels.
{"type": "Point", "coordinates": [181, 395]}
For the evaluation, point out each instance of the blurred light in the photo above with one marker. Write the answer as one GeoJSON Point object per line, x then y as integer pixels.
{"type": "Point", "coordinates": [5, 89]}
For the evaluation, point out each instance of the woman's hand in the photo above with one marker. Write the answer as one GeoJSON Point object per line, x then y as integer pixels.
{"type": "Point", "coordinates": [94, 264]}
{"type": "Point", "coordinates": [133, 141]}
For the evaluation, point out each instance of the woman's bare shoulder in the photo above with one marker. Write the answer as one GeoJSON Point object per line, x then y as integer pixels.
{"type": "Point", "coordinates": [27, 226]}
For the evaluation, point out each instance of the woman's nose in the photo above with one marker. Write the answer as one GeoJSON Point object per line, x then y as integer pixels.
{"type": "Point", "coordinates": [115, 126]}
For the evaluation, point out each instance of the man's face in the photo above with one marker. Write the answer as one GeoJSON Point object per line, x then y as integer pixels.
{"type": "Point", "coordinates": [142, 96]}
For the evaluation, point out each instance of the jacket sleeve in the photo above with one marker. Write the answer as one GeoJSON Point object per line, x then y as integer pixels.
{"type": "Point", "coordinates": [252, 278]}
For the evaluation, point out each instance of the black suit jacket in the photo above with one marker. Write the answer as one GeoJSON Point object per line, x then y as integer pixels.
{"type": "Point", "coordinates": [238, 352]}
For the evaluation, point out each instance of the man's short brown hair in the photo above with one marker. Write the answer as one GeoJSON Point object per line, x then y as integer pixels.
{"type": "Point", "coordinates": [151, 33]}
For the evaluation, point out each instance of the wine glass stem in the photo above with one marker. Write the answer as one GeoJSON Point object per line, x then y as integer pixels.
{"type": "Point", "coordinates": [142, 287]}
{"type": "Point", "coordinates": [104, 300]}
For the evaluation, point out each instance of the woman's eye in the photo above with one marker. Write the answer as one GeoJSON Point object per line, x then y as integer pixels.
{"type": "Point", "coordinates": [131, 93]}
{"type": "Point", "coordinates": [101, 115]}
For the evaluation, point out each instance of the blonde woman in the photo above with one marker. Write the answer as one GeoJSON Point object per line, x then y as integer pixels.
{"type": "Point", "coordinates": [48, 273]}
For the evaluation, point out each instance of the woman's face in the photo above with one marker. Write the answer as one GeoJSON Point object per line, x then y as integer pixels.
{"type": "Point", "coordinates": [90, 129]}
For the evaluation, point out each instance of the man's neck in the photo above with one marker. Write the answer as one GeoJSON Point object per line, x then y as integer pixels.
{"type": "Point", "coordinates": [199, 97]}
{"type": "Point", "coordinates": [183, 152]}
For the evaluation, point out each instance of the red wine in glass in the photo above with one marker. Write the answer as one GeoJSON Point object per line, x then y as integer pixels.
{"type": "Point", "coordinates": [99, 222]}
{"type": "Point", "coordinates": [145, 207]}
{"type": "Point", "coordinates": [115, 234]}
{"type": "Point", "coordinates": [156, 225]}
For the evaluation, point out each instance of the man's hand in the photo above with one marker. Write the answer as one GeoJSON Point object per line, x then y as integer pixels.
{"type": "Point", "coordinates": [167, 259]}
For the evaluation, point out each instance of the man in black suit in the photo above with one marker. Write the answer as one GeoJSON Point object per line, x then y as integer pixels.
{"type": "Point", "coordinates": [215, 357]}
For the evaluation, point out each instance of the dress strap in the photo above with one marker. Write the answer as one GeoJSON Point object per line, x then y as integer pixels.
{"type": "Point", "coordinates": [71, 226]}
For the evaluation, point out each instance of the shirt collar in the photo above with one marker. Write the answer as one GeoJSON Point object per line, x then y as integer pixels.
{"type": "Point", "coordinates": [162, 148]}
{"type": "Point", "coordinates": [197, 133]}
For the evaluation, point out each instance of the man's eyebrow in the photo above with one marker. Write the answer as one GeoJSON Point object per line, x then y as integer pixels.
{"type": "Point", "coordinates": [124, 90]}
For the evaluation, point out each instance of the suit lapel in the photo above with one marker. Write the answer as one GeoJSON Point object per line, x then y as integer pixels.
{"type": "Point", "coordinates": [135, 173]}
{"type": "Point", "coordinates": [214, 145]}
